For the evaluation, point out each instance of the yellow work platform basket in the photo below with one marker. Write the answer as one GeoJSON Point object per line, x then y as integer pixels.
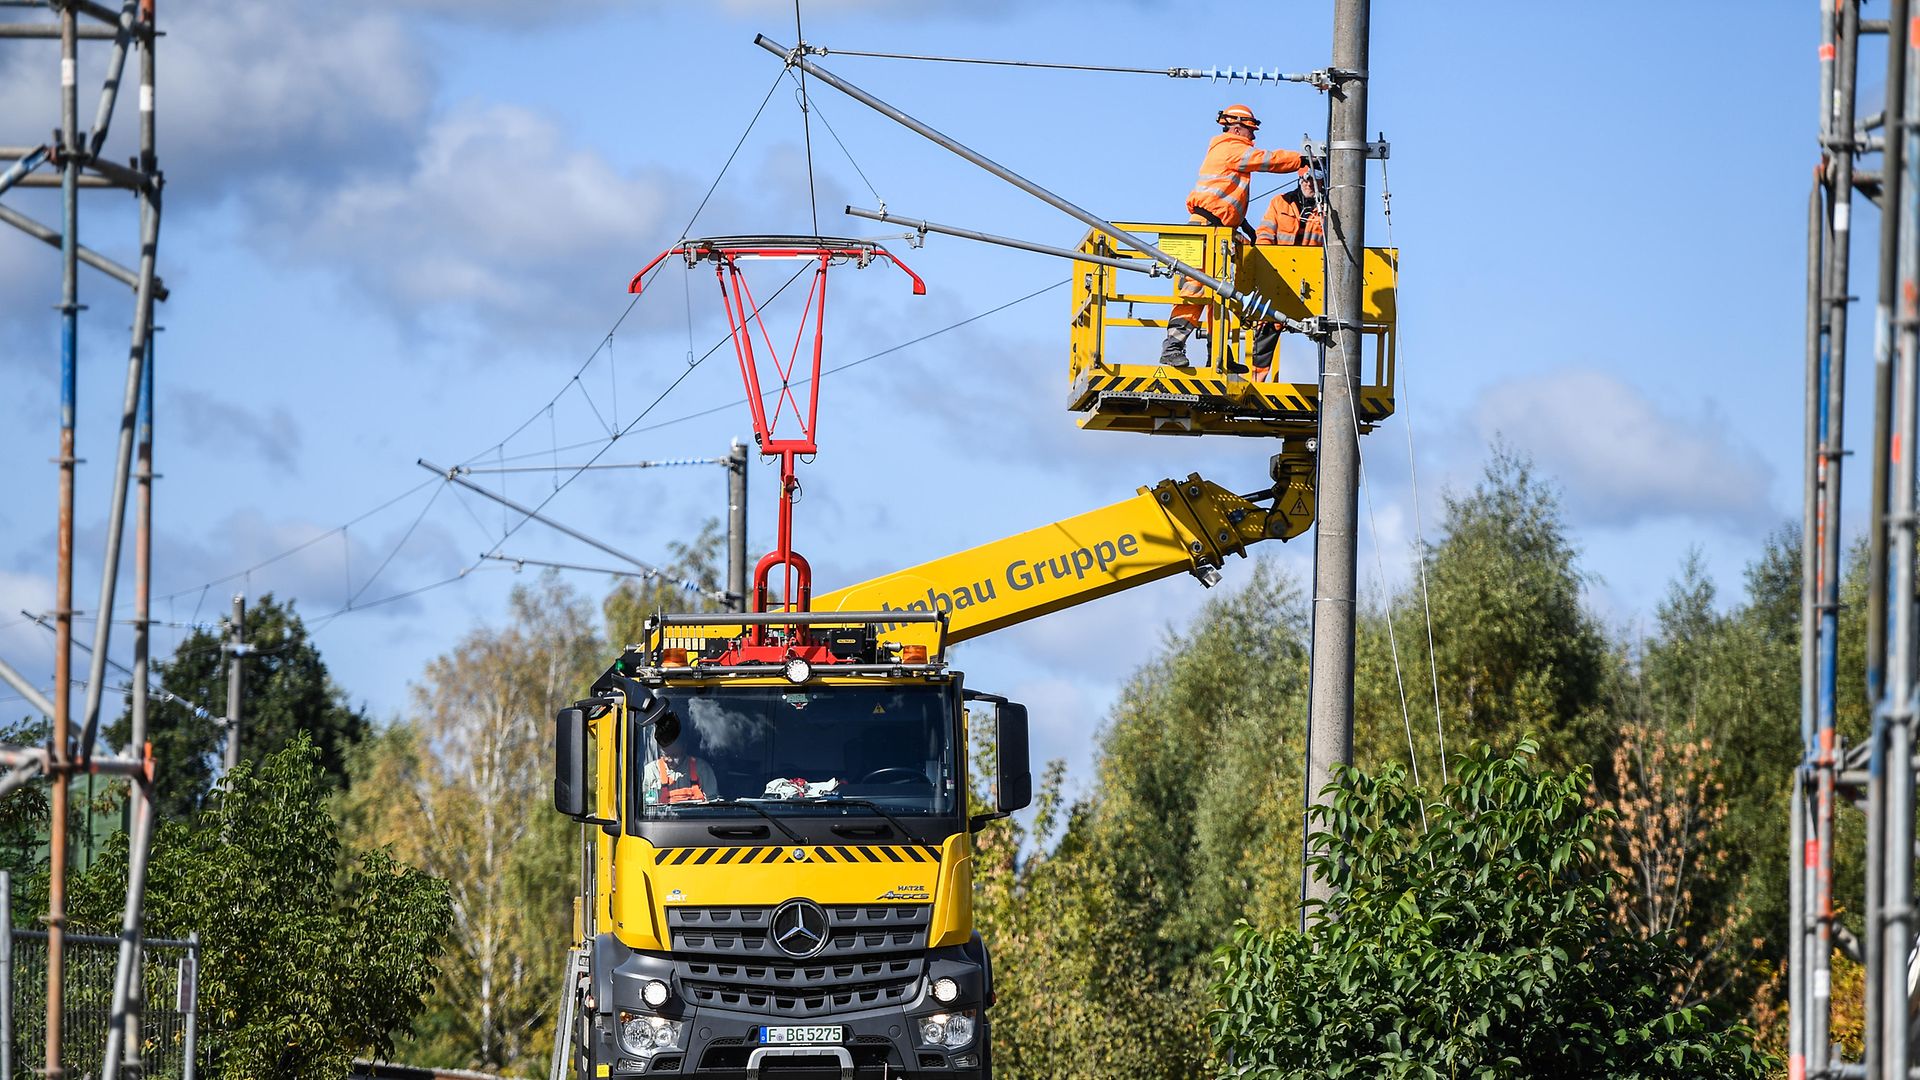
{"type": "Point", "coordinates": [1120, 384]}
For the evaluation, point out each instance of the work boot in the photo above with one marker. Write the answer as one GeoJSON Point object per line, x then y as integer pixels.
{"type": "Point", "coordinates": [1266, 346]}
{"type": "Point", "coordinates": [1174, 349]}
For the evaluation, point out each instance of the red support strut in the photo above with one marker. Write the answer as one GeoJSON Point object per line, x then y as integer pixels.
{"type": "Point", "coordinates": [744, 316]}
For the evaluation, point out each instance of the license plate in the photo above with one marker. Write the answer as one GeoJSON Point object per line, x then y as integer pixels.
{"type": "Point", "coordinates": [801, 1035]}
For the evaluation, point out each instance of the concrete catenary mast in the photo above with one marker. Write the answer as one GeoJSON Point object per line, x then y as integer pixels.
{"type": "Point", "coordinates": [1336, 531]}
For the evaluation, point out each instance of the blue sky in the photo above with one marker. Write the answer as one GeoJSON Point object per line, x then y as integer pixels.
{"type": "Point", "coordinates": [397, 233]}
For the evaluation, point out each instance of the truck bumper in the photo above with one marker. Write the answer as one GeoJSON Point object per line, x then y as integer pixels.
{"type": "Point", "coordinates": [724, 1044]}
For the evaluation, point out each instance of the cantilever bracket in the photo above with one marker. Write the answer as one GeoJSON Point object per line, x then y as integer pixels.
{"type": "Point", "coordinates": [1331, 78]}
{"type": "Point", "coordinates": [1323, 327]}
{"type": "Point", "coordinates": [1378, 148]}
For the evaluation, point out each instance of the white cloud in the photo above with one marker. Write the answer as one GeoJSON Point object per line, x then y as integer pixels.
{"type": "Point", "coordinates": [231, 432]}
{"type": "Point", "coordinates": [251, 89]}
{"type": "Point", "coordinates": [25, 645]}
{"type": "Point", "coordinates": [495, 217]}
{"type": "Point", "coordinates": [321, 576]}
{"type": "Point", "coordinates": [1622, 458]}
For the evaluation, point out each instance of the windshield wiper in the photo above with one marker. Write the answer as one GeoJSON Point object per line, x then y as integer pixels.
{"type": "Point", "coordinates": [835, 800]}
{"type": "Point", "coordinates": [746, 805]}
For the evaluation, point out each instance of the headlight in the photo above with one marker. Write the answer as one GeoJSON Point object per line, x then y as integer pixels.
{"type": "Point", "coordinates": [945, 990]}
{"type": "Point", "coordinates": [655, 993]}
{"type": "Point", "coordinates": [642, 1035]}
{"type": "Point", "coordinates": [947, 1031]}
{"type": "Point", "coordinates": [797, 670]}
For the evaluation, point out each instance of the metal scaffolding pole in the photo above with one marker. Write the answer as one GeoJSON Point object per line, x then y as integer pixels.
{"type": "Point", "coordinates": [1891, 805]}
{"type": "Point", "coordinates": [1800, 981]}
{"type": "Point", "coordinates": [80, 159]}
{"type": "Point", "coordinates": [1840, 30]}
{"type": "Point", "coordinates": [1879, 664]}
{"type": "Point", "coordinates": [1337, 504]}
{"type": "Point", "coordinates": [63, 581]}
{"type": "Point", "coordinates": [123, 461]}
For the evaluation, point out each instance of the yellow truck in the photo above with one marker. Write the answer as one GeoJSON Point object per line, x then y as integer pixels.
{"type": "Point", "coordinates": [778, 866]}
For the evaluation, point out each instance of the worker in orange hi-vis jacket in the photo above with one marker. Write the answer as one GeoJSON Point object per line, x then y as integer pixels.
{"type": "Point", "coordinates": [1220, 197]}
{"type": "Point", "coordinates": [1292, 219]}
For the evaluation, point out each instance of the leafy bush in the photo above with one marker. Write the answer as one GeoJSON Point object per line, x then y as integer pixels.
{"type": "Point", "coordinates": [1468, 937]}
{"type": "Point", "coordinates": [305, 963]}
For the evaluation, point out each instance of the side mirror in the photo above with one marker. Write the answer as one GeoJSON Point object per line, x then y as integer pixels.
{"type": "Point", "coordinates": [570, 762]}
{"type": "Point", "coordinates": [1013, 776]}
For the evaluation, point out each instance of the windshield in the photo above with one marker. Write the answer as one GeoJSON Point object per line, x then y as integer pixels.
{"type": "Point", "coordinates": [794, 750]}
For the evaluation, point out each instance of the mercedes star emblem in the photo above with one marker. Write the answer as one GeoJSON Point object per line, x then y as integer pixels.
{"type": "Point", "coordinates": [800, 928]}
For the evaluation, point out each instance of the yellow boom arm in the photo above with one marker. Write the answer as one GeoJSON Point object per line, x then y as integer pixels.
{"type": "Point", "coordinates": [1176, 525]}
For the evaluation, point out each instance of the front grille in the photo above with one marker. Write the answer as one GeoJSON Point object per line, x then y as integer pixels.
{"type": "Point", "coordinates": [874, 957]}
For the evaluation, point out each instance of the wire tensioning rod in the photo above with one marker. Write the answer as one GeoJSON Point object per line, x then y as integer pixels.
{"type": "Point", "coordinates": [1321, 79]}
{"type": "Point", "coordinates": [1139, 265]}
{"type": "Point", "coordinates": [466, 470]}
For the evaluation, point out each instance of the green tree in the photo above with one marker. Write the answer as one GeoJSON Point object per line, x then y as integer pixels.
{"type": "Point", "coordinates": [287, 693]}
{"type": "Point", "coordinates": [1516, 649]}
{"type": "Point", "coordinates": [25, 811]}
{"type": "Point", "coordinates": [695, 563]}
{"type": "Point", "coordinates": [308, 960]}
{"type": "Point", "coordinates": [461, 788]}
{"type": "Point", "coordinates": [1100, 937]}
{"type": "Point", "coordinates": [1477, 943]}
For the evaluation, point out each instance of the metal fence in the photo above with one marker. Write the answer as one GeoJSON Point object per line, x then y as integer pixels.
{"type": "Point", "coordinates": [168, 978]}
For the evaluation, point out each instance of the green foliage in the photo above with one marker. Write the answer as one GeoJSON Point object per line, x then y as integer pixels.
{"type": "Point", "coordinates": [307, 963]}
{"type": "Point", "coordinates": [286, 693]}
{"type": "Point", "coordinates": [1102, 933]}
{"type": "Point", "coordinates": [1478, 944]}
{"type": "Point", "coordinates": [1519, 652]}
{"type": "Point", "coordinates": [461, 789]}
{"type": "Point", "coordinates": [630, 603]}
{"type": "Point", "coordinates": [25, 811]}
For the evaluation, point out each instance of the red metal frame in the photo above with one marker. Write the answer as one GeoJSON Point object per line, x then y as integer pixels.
{"type": "Point", "coordinates": [743, 318]}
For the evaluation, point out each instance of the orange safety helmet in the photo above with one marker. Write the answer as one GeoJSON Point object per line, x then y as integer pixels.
{"type": "Point", "coordinates": [1238, 114]}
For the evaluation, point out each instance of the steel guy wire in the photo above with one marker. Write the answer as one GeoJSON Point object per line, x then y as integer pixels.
{"type": "Point", "coordinates": [418, 518]}
{"type": "Point", "coordinates": [604, 444]}
{"type": "Point", "coordinates": [1413, 477]}
{"type": "Point", "coordinates": [606, 341]}
{"type": "Point", "coordinates": [484, 531]}
{"type": "Point", "coordinates": [735, 153]}
{"type": "Point", "coordinates": [806, 123]}
{"type": "Point", "coordinates": [828, 124]}
{"type": "Point", "coordinates": [322, 622]}
{"type": "Point", "coordinates": [678, 379]}
{"type": "Point", "coordinates": [1380, 569]}
{"type": "Point", "coordinates": [889, 350]}
{"type": "Point", "coordinates": [270, 560]}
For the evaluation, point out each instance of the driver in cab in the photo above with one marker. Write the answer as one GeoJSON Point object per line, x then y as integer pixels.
{"type": "Point", "coordinates": [678, 775]}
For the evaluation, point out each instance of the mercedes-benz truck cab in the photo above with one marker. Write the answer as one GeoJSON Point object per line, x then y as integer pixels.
{"type": "Point", "coordinates": [778, 873]}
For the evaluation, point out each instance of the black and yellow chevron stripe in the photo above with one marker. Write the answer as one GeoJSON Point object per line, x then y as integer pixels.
{"type": "Point", "coordinates": [835, 854]}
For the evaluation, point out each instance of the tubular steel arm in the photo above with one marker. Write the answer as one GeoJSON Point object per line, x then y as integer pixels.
{"type": "Point", "coordinates": [1189, 525]}
{"type": "Point", "coordinates": [1254, 304]}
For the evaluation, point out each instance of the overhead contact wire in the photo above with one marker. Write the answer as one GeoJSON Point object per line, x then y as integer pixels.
{"type": "Point", "coordinates": [889, 350]}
